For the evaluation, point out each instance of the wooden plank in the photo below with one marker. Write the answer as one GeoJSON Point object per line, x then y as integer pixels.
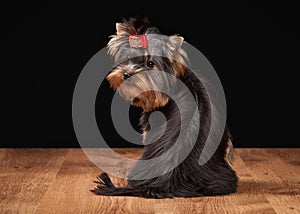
{"type": "Point", "coordinates": [277, 172]}
{"type": "Point", "coordinates": [59, 180]}
{"type": "Point", "coordinates": [70, 191]}
{"type": "Point", "coordinates": [25, 175]}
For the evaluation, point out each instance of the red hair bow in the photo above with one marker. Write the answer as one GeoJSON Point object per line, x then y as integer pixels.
{"type": "Point", "coordinates": [138, 41]}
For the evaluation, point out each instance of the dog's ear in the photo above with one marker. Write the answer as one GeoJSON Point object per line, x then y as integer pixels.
{"type": "Point", "coordinates": [175, 42]}
{"type": "Point", "coordinates": [118, 41]}
{"type": "Point", "coordinates": [176, 54]}
{"type": "Point", "coordinates": [121, 29]}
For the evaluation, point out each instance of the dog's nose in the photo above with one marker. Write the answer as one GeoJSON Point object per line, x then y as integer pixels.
{"type": "Point", "coordinates": [126, 75]}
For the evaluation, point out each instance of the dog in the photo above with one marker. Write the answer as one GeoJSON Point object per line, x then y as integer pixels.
{"type": "Point", "coordinates": [188, 178]}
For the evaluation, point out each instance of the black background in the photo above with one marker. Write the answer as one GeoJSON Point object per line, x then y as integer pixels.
{"type": "Point", "coordinates": [253, 48]}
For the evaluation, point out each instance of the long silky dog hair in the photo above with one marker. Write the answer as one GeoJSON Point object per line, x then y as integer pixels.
{"type": "Point", "coordinates": [188, 179]}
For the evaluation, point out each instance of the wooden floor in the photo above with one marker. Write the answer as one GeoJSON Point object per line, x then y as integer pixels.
{"type": "Point", "coordinates": [59, 180]}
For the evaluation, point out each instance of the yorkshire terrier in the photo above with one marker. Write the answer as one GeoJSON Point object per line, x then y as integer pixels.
{"type": "Point", "coordinates": [188, 179]}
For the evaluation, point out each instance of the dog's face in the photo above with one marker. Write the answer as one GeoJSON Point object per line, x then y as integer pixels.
{"type": "Point", "coordinates": [132, 72]}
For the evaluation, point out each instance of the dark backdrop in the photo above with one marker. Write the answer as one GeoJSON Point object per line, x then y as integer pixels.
{"type": "Point", "coordinates": [253, 48]}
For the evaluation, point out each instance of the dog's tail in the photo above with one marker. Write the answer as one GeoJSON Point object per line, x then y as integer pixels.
{"type": "Point", "coordinates": [106, 187]}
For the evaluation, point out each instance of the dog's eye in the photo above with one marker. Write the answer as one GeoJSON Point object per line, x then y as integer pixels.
{"type": "Point", "coordinates": [150, 64]}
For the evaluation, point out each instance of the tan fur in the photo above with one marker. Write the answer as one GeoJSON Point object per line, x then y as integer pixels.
{"type": "Point", "coordinates": [115, 79]}
{"type": "Point", "coordinates": [150, 100]}
{"type": "Point", "coordinates": [229, 158]}
{"type": "Point", "coordinates": [179, 68]}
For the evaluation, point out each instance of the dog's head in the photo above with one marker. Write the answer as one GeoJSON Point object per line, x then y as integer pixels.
{"type": "Point", "coordinates": [137, 48]}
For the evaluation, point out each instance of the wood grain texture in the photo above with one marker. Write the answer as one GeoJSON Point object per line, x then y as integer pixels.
{"type": "Point", "coordinates": [25, 176]}
{"type": "Point", "coordinates": [278, 174]}
{"type": "Point", "coordinates": [59, 180]}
